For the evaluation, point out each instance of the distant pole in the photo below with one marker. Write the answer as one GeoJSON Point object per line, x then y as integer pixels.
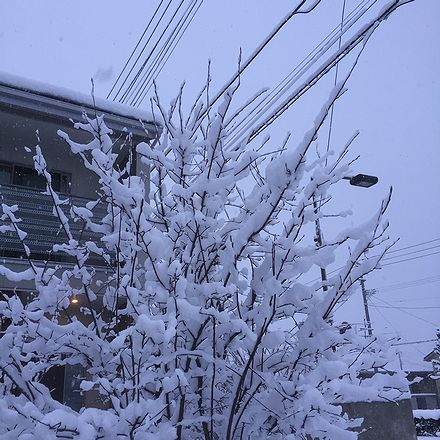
{"type": "Point", "coordinates": [366, 310]}
{"type": "Point", "coordinates": [399, 353]}
{"type": "Point", "coordinates": [363, 181]}
{"type": "Point", "coordinates": [319, 243]}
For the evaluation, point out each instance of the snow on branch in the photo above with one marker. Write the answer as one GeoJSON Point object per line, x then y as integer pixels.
{"type": "Point", "coordinates": [197, 323]}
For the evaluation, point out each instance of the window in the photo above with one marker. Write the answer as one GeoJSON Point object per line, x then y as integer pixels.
{"type": "Point", "coordinates": [424, 401]}
{"type": "Point", "coordinates": [421, 402]}
{"type": "Point", "coordinates": [26, 176]}
{"type": "Point", "coordinates": [5, 173]}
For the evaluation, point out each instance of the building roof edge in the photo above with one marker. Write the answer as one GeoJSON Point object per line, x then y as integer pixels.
{"type": "Point", "coordinates": [42, 98]}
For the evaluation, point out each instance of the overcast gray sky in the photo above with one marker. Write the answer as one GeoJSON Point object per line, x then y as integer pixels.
{"type": "Point", "coordinates": [393, 98]}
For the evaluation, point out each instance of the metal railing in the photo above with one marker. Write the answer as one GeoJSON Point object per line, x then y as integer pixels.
{"type": "Point", "coordinates": [43, 228]}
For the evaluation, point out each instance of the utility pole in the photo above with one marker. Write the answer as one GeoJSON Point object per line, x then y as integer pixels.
{"type": "Point", "coordinates": [366, 310]}
{"type": "Point", "coordinates": [318, 240]}
{"type": "Point", "coordinates": [363, 181]}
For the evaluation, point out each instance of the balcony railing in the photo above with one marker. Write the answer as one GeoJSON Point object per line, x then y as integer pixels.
{"type": "Point", "coordinates": [42, 227]}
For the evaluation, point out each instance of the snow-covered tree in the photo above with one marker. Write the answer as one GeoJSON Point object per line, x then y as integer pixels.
{"type": "Point", "coordinates": [222, 336]}
{"type": "Point", "coordinates": [204, 324]}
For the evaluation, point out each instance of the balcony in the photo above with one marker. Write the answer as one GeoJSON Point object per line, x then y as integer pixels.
{"type": "Point", "coordinates": [42, 227]}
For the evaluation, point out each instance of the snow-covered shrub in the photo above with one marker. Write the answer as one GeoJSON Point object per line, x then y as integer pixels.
{"type": "Point", "coordinates": [427, 421]}
{"type": "Point", "coordinates": [203, 325]}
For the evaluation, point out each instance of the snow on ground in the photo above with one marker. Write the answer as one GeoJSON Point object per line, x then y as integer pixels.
{"type": "Point", "coordinates": [427, 414]}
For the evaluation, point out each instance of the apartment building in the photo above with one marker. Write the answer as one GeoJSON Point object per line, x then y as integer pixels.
{"type": "Point", "coordinates": [31, 113]}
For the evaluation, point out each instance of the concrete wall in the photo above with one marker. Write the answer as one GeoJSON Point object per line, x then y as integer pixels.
{"type": "Point", "coordinates": [384, 420]}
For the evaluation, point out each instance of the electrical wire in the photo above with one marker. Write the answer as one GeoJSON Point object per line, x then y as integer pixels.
{"type": "Point", "coordinates": [418, 299]}
{"type": "Point", "coordinates": [398, 286]}
{"type": "Point", "coordinates": [332, 110]}
{"type": "Point", "coordinates": [404, 311]}
{"type": "Point", "coordinates": [172, 51]}
{"type": "Point", "coordinates": [394, 257]}
{"type": "Point", "coordinates": [415, 342]}
{"type": "Point", "coordinates": [166, 51]}
{"type": "Point", "coordinates": [134, 50]}
{"type": "Point", "coordinates": [322, 70]}
{"type": "Point", "coordinates": [141, 53]}
{"type": "Point", "coordinates": [254, 55]}
{"type": "Point", "coordinates": [410, 259]}
{"type": "Point", "coordinates": [406, 284]}
{"type": "Point", "coordinates": [146, 73]}
{"type": "Point", "coordinates": [412, 252]}
{"type": "Point", "coordinates": [281, 87]}
{"type": "Point", "coordinates": [385, 318]}
{"type": "Point", "coordinates": [410, 308]}
{"type": "Point", "coordinates": [413, 246]}
{"type": "Point", "coordinates": [298, 71]}
{"type": "Point", "coordinates": [129, 91]}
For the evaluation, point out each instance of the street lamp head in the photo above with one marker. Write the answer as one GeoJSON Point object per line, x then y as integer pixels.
{"type": "Point", "coordinates": [363, 180]}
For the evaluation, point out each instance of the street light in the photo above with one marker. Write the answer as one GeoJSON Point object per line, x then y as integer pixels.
{"type": "Point", "coordinates": [362, 180]}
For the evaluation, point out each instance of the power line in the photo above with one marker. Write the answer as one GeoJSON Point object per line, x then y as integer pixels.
{"type": "Point", "coordinates": [324, 68]}
{"type": "Point", "coordinates": [128, 92]}
{"type": "Point", "coordinates": [410, 308]}
{"type": "Point", "coordinates": [414, 342]}
{"type": "Point", "coordinates": [413, 246]}
{"type": "Point", "coordinates": [146, 72]}
{"type": "Point", "coordinates": [384, 317]}
{"type": "Point", "coordinates": [141, 53]}
{"type": "Point", "coordinates": [292, 76]}
{"type": "Point", "coordinates": [149, 75]}
{"type": "Point", "coordinates": [298, 71]}
{"type": "Point", "coordinates": [388, 252]}
{"type": "Point", "coordinates": [410, 259]}
{"type": "Point", "coordinates": [399, 286]}
{"type": "Point", "coordinates": [418, 299]}
{"type": "Point", "coordinates": [408, 253]}
{"type": "Point", "coordinates": [172, 50]}
{"type": "Point", "coordinates": [330, 126]}
{"type": "Point", "coordinates": [134, 50]}
{"type": "Point", "coordinates": [411, 283]}
{"type": "Point", "coordinates": [404, 311]}
{"type": "Point", "coordinates": [295, 11]}
{"type": "Point", "coordinates": [412, 252]}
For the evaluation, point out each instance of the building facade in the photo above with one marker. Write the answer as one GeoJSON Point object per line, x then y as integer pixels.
{"type": "Point", "coordinates": [31, 114]}
{"type": "Point", "coordinates": [424, 390]}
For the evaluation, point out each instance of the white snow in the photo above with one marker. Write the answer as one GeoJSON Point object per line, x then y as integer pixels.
{"type": "Point", "coordinates": [62, 93]}
{"type": "Point", "coordinates": [201, 289]}
{"type": "Point", "coordinates": [427, 414]}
